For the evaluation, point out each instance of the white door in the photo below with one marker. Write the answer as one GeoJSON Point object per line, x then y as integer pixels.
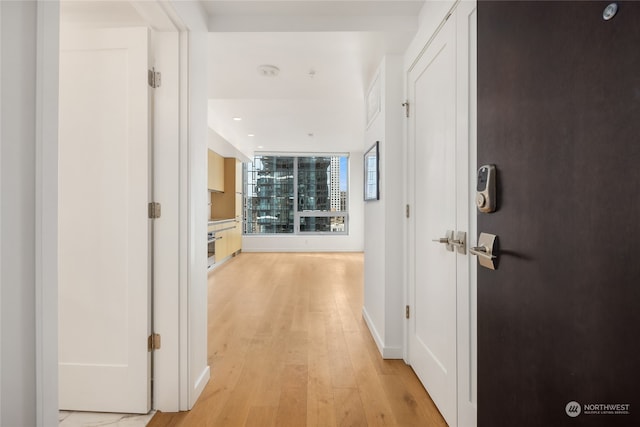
{"type": "Point", "coordinates": [104, 254]}
{"type": "Point", "coordinates": [432, 133]}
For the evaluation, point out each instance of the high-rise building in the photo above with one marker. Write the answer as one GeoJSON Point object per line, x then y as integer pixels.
{"type": "Point", "coordinates": [269, 206]}
{"type": "Point", "coordinates": [314, 179]}
{"type": "Point", "coordinates": [293, 195]}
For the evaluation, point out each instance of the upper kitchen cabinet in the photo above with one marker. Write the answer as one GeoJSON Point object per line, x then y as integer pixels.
{"type": "Point", "coordinates": [216, 174]}
{"type": "Point", "coordinates": [238, 169]}
{"type": "Point", "coordinates": [228, 205]}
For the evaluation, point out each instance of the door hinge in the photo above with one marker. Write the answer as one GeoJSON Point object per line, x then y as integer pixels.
{"type": "Point", "coordinates": [155, 78]}
{"type": "Point", "coordinates": [406, 108]}
{"type": "Point", "coordinates": [406, 311]}
{"type": "Point", "coordinates": [408, 211]}
{"type": "Point", "coordinates": [155, 210]}
{"type": "Point", "coordinates": [154, 342]}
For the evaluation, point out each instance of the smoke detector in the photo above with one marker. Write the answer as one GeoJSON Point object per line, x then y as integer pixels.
{"type": "Point", "coordinates": [267, 70]}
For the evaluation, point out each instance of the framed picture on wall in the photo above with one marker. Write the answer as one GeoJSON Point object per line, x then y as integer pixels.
{"type": "Point", "coordinates": [372, 173]}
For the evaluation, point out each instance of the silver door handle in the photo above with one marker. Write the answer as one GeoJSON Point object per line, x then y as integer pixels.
{"type": "Point", "coordinates": [487, 250]}
{"type": "Point", "coordinates": [482, 251]}
{"type": "Point", "coordinates": [448, 237]}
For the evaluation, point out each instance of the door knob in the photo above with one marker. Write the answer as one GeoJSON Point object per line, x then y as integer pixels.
{"type": "Point", "coordinates": [447, 240]}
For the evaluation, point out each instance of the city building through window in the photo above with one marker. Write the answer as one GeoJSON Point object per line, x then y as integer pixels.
{"type": "Point", "coordinates": [296, 194]}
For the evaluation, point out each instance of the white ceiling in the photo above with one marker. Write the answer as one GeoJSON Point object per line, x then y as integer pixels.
{"type": "Point", "coordinates": [327, 51]}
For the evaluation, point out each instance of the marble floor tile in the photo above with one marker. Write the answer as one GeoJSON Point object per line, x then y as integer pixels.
{"type": "Point", "coordinates": [95, 419]}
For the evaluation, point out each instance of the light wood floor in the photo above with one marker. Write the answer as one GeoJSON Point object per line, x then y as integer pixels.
{"type": "Point", "coordinates": [288, 347]}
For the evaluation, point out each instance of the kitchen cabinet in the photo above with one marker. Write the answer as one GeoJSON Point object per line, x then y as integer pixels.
{"type": "Point", "coordinates": [235, 237]}
{"type": "Point", "coordinates": [222, 245]}
{"type": "Point", "coordinates": [226, 209]}
{"type": "Point", "coordinates": [229, 240]}
{"type": "Point", "coordinates": [215, 172]}
{"type": "Point", "coordinates": [229, 203]}
{"type": "Point", "coordinates": [228, 234]}
{"type": "Point", "coordinates": [238, 205]}
{"type": "Point", "coordinates": [238, 169]}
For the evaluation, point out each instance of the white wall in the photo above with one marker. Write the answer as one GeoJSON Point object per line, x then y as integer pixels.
{"type": "Point", "coordinates": [198, 324]}
{"type": "Point", "coordinates": [353, 242]}
{"type": "Point", "coordinates": [17, 277]}
{"type": "Point", "coordinates": [193, 201]}
{"type": "Point", "coordinates": [224, 148]}
{"type": "Point", "coordinates": [384, 219]}
{"type": "Point", "coordinates": [28, 144]}
{"type": "Point", "coordinates": [166, 171]}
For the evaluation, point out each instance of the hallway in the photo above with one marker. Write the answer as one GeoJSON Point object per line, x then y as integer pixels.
{"type": "Point", "coordinates": [288, 347]}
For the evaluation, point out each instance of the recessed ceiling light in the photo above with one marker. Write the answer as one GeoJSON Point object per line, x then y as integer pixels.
{"type": "Point", "coordinates": [267, 70]}
{"type": "Point", "coordinates": [251, 134]}
{"type": "Point", "coordinates": [237, 119]}
{"type": "Point", "coordinates": [260, 146]}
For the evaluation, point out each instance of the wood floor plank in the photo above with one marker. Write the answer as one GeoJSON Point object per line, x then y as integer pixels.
{"type": "Point", "coordinates": [168, 419]}
{"type": "Point", "coordinates": [377, 410]}
{"type": "Point", "coordinates": [349, 410]}
{"type": "Point", "coordinates": [292, 410]}
{"type": "Point", "coordinates": [320, 403]}
{"type": "Point", "coordinates": [410, 405]}
{"type": "Point", "coordinates": [262, 416]}
{"type": "Point", "coordinates": [288, 347]}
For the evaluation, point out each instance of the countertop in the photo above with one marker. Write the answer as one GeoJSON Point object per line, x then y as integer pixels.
{"type": "Point", "coordinates": [215, 221]}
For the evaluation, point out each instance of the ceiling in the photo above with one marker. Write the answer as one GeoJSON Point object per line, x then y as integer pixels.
{"type": "Point", "coordinates": [326, 53]}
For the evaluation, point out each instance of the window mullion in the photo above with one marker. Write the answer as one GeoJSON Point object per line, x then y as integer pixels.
{"type": "Point", "coordinates": [296, 214]}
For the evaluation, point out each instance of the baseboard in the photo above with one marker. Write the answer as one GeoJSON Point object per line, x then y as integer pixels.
{"type": "Point", "coordinates": [392, 353]}
{"type": "Point", "coordinates": [385, 352]}
{"type": "Point", "coordinates": [373, 330]}
{"type": "Point", "coordinates": [199, 386]}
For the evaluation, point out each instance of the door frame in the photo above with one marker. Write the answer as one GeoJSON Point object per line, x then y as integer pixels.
{"type": "Point", "coordinates": [467, 292]}
{"type": "Point", "coordinates": [46, 212]}
{"type": "Point", "coordinates": [466, 113]}
{"type": "Point", "coordinates": [168, 373]}
{"type": "Point", "coordinates": [433, 126]}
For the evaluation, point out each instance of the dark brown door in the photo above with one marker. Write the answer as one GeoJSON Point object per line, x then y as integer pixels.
{"type": "Point", "coordinates": [559, 114]}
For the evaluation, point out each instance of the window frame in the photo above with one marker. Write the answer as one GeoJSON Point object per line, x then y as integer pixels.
{"type": "Point", "coordinates": [297, 215]}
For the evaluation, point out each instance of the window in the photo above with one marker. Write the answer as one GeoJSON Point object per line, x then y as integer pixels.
{"type": "Point", "coordinates": [296, 195]}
